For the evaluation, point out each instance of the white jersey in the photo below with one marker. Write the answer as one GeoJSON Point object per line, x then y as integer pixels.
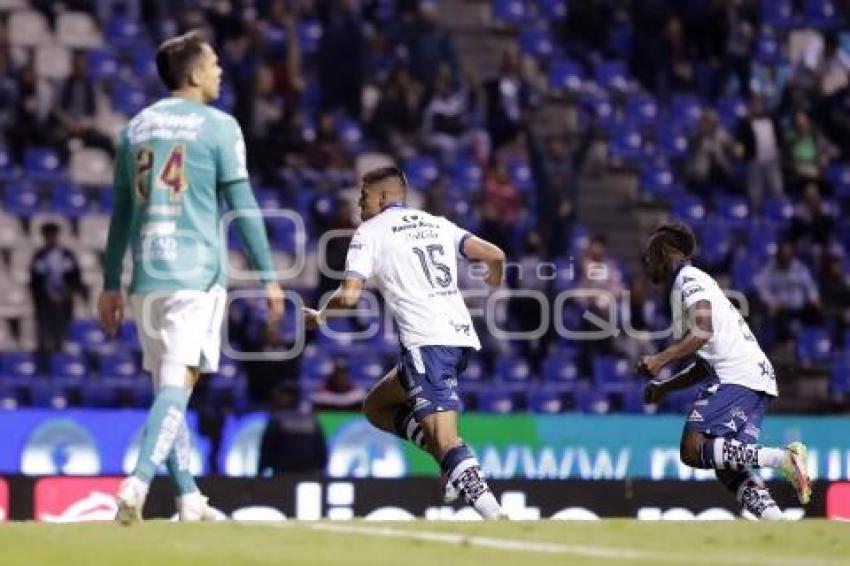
{"type": "Point", "coordinates": [413, 256]}
{"type": "Point", "coordinates": [732, 351]}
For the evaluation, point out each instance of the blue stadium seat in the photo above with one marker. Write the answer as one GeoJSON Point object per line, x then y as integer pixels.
{"type": "Point", "coordinates": [546, 399]}
{"type": "Point", "coordinates": [87, 333]}
{"type": "Point", "coordinates": [632, 401]}
{"type": "Point", "coordinates": [316, 368]}
{"type": "Point", "coordinates": [839, 382]}
{"type": "Point", "coordinates": [10, 398]}
{"type": "Point", "coordinates": [475, 370]}
{"type": "Point", "coordinates": [493, 400]}
{"type": "Point", "coordinates": [124, 32]}
{"type": "Point", "coordinates": [47, 394]}
{"type": "Point", "coordinates": [118, 365]}
{"type": "Point", "coordinates": [421, 171]}
{"type": "Point", "coordinates": [680, 401]}
{"type": "Point", "coordinates": [778, 13]}
{"type": "Point", "coordinates": [552, 9]}
{"type": "Point", "coordinates": [715, 241]}
{"type": "Point", "coordinates": [730, 110]}
{"type": "Point", "coordinates": [143, 63]}
{"type": "Point", "coordinates": [509, 12]}
{"type": "Point", "coordinates": [7, 166]}
{"type": "Point", "coordinates": [611, 374]}
{"type": "Point", "coordinates": [349, 132]}
{"type": "Point", "coordinates": [591, 400]}
{"type": "Point", "coordinates": [688, 208]}
{"type": "Point", "coordinates": [19, 365]}
{"type": "Point", "coordinates": [821, 13]}
{"type": "Point", "coordinates": [612, 75]}
{"type": "Point", "coordinates": [310, 35]}
{"type": "Point", "coordinates": [733, 210]}
{"type": "Point", "coordinates": [763, 240]}
{"type": "Point", "coordinates": [43, 164]}
{"type": "Point", "coordinates": [627, 144]}
{"type": "Point", "coordinates": [21, 200]}
{"type": "Point", "coordinates": [514, 370]}
{"type": "Point", "coordinates": [745, 267]}
{"type": "Point", "coordinates": [658, 181]}
{"type": "Point", "coordinates": [129, 100]}
{"type": "Point", "coordinates": [103, 64]}
{"type": "Point", "coordinates": [560, 368]}
{"type": "Point", "coordinates": [69, 201]}
{"type": "Point", "coordinates": [520, 173]}
{"type": "Point", "coordinates": [99, 393]}
{"type": "Point", "coordinates": [366, 371]}
{"type": "Point", "coordinates": [641, 110]}
{"type": "Point", "coordinates": [839, 177]}
{"type": "Point", "coordinates": [814, 346]}
{"type": "Point", "coordinates": [778, 209]}
{"type": "Point", "coordinates": [685, 110]}
{"type": "Point", "coordinates": [64, 365]}
{"type": "Point", "coordinates": [536, 42]}
{"type": "Point", "coordinates": [466, 174]}
{"type": "Point", "coordinates": [672, 141]}
{"type": "Point", "coordinates": [226, 101]}
{"type": "Point", "coordinates": [768, 49]}
{"type": "Point", "coordinates": [565, 75]}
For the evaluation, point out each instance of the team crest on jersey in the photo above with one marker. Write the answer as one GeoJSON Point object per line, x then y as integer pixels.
{"type": "Point", "coordinates": [695, 417]}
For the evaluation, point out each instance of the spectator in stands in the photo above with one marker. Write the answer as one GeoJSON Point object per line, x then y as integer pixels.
{"type": "Point", "coordinates": [265, 372]}
{"type": "Point", "coordinates": [501, 207]}
{"type": "Point", "coordinates": [836, 120]}
{"type": "Point", "coordinates": [265, 127]}
{"type": "Point", "coordinates": [326, 150]}
{"type": "Point", "coordinates": [338, 392]}
{"type": "Point", "coordinates": [398, 112]}
{"type": "Point", "coordinates": [813, 225]}
{"type": "Point", "coordinates": [341, 226]}
{"type": "Point", "coordinates": [834, 68]}
{"type": "Point", "coordinates": [788, 292]}
{"type": "Point", "coordinates": [680, 69]}
{"type": "Point", "coordinates": [429, 46]}
{"type": "Point", "coordinates": [75, 109]}
{"type": "Point", "coordinates": [526, 309]}
{"type": "Point", "coordinates": [293, 442]}
{"type": "Point", "coordinates": [54, 280]}
{"type": "Point", "coordinates": [638, 313]}
{"type": "Point", "coordinates": [712, 152]}
{"type": "Point", "coordinates": [808, 151]}
{"type": "Point", "coordinates": [508, 96]}
{"type": "Point", "coordinates": [740, 36]}
{"type": "Point", "coordinates": [342, 56]}
{"type": "Point", "coordinates": [553, 170]}
{"type": "Point", "coordinates": [445, 125]}
{"type": "Point", "coordinates": [31, 113]}
{"type": "Point", "coordinates": [835, 294]}
{"type": "Point", "coordinates": [8, 92]}
{"type": "Point", "coordinates": [758, 144]}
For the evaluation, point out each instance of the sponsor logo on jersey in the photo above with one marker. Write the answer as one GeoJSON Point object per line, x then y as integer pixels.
{"type": "Point", "coordinates": [731, 425]}
{"type": "Point", "coordinates": [692, 291]}
{"type": "Point", "coordinates": [695, 417]}
{"type": "Point", "coordinates": [4, 500]}
{"type": "Point", "coordinates": [69, 500]}
{"type": "Point", "coordinates": [752, 430]}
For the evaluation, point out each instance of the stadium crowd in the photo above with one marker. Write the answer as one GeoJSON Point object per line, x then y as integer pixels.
{"type": "Point", "coordinates": [734, 114]}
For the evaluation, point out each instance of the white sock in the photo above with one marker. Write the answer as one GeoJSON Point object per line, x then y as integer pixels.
{"type": "Point", "coordinates": [755, 498]}
{"type": "Point", "coordinates": [771, 457]}
{"type": "Point", "coordinates": [469, 480]}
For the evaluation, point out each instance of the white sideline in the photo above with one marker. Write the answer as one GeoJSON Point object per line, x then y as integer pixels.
{"type": "Point", "coordinates": [582, 550]}
{"type": "Point", "coordinates": [489, 542]}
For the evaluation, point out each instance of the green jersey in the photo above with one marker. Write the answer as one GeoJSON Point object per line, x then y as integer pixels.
{"type": "Point", "coordinates": [179, 162]}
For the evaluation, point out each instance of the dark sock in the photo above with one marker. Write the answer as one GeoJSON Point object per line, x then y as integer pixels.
{"type": "Point", "coordinates": [407, 428]}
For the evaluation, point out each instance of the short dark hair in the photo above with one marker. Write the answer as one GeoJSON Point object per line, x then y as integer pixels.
{"type": "Point", "coordinates": [383, 173]}
{"type": "Point", "coordinates": [177, 57]}
{"type": "Point", "coordinates": [50, 229]}
{"type": "Point", "coordinates": [677, 236]}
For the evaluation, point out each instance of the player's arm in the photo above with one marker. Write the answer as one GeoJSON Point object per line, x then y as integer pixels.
{"type": "Point", "coordinates": [474, 248]}
{"type": "Point", "coordinates": [343, 299]}
{"type": "Point", "coordinates": [110, 304]}
{"type": "Point", "coordinates": [249, 225]}
{"type": "Point", "coordinates": [700, 332]}
{"type": "Point", "coordinates": [359, 266]}
{"type": "Point", "coordinates": [657, 389]}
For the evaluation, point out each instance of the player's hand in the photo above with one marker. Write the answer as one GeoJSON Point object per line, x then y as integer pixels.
{"type": "Point", "coordinates": [650, 365]}
{"type": "Point", "coordinates": [110, 311]}
{"type": "Point", "coordinates": [653, 393]}
{"type": "Point", "coordinates": [274, 297]}
{"type": "Point", "coordinates": [312, 318]}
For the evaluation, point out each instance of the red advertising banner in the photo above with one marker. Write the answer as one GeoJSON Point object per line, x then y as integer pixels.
{"type": "Point", "coordinates": [65, 500]}
{"type": "Point", "coordinates": [838, 501]}
{"type": "Point", "coordinates": [4, 500]}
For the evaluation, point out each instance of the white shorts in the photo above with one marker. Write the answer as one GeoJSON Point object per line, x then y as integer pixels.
{"type": "Point", "coordinates": [180, 327]}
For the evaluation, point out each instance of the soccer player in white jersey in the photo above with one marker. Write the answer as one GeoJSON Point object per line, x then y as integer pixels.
{"type": "Point", "coordinates": [179, 161]}
{"type": "Point", "coordinates": [724, 424]}
{"type": "Point", "coordinates": [413, 257]}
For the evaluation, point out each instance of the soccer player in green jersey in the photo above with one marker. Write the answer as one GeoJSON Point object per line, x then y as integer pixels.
{"type": "Point", "coordinates": [179, 162]}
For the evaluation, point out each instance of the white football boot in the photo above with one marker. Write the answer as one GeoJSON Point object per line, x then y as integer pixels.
{"type": "Point", "coordinates": [131, 499]}
{"type": "Point", "coordinates": [194, 507]}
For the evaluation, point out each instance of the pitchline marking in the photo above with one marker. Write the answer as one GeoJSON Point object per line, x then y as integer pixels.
{"type": "Point", "coordinates": [588, 551]}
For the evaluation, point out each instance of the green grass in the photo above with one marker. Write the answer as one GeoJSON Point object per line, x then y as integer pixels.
{"type": "Point", "coordinates": [160, 543]}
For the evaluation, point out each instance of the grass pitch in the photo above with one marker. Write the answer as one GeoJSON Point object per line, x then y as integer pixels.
{"type": "Point", "coordinates": [160, 543]}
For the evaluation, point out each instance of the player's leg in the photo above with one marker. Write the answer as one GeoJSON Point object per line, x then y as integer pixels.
{"type": "Point", "coordinates": [732, 417]}
{"type": "Point", "coordinates": [386, 408]}
{"type": "Point", "coordinates": [429, 376]}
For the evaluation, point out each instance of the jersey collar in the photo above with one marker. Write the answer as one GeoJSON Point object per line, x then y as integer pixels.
{"type": "Point", "coordinates": [394, 205]}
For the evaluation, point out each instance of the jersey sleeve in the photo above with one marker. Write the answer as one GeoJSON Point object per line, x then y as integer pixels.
{"type": "Point", "coordinates": [360, 261]}
{"type": "Point", "coordinates": [694, 289]}
{"type": "Point", "coordinates": [459, 236]}
{"type": "Point", "coordinates": [119, 224]}
{"type": "Point", "coordinates": [232, 162]}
